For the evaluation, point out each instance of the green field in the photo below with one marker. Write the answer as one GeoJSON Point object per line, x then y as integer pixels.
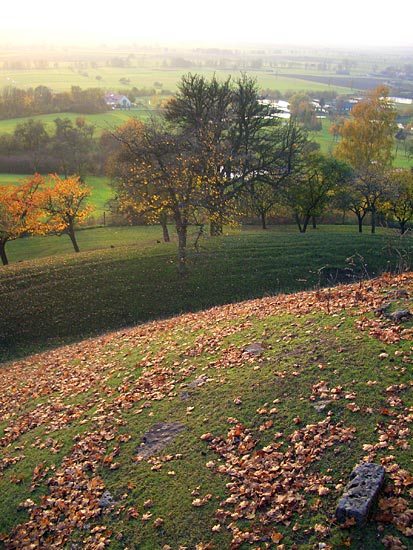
{"type": "Point", "coordinates": [124, 276]}
{"type": "Point", "coordinates": [109, 120]}
{"type": "Point", "coordinates": [62, 79]}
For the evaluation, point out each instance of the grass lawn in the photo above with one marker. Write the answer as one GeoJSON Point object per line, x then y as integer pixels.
{"type": "Point", "coordinates": [124, 276]}
{"type": "Point", "coordinates": [264, 441]}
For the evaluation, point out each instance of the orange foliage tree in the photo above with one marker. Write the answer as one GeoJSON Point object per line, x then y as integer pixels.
{"type": "Point", "coordinates": [19, 212]}
{"type": "Point", "coordinates": [65, 204]}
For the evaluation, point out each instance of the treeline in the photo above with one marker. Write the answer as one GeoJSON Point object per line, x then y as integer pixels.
{"type": "Point", "coordinates": [70, 149]}
{"type": "Point", "coordinates": [17, 102]}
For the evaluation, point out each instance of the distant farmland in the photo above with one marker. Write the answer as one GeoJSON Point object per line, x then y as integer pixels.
{"type": "Point", "coordinates": [347, 81]}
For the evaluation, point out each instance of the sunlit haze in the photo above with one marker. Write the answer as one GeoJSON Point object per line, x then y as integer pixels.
{"type": "Point", "coordinates": [217, 22]}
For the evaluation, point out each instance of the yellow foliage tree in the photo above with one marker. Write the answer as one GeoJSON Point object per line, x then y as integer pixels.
{"type": "Point", "coordinates": [367, 139]}
{"type": "Point", "coordinates": [65, 205]}
{"type": "Point", "coordinates": [19, 212]}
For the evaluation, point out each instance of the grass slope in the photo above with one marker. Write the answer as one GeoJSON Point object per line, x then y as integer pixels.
{"type": "Point", "coordinates": [268, 442]}
{"type": "Point", "coordinates": [125, 276]}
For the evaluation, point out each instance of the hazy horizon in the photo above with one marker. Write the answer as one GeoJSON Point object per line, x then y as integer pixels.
{"type": "Point", "coordinates": [350, 25]}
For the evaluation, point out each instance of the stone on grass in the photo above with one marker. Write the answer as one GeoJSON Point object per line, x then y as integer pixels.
{"type": "Point", "coordinates": [198, 381]}
{"type": "Point", "coordinates": [400, 315]}
{"type": "Point", "coordinates": [106, 500]}
{"type": "Point", "coordinates": [256, 348]}
{"type": "Point", "coordinates": [364, 485]}
{"type": "Point", "coordinates": [158, 437]}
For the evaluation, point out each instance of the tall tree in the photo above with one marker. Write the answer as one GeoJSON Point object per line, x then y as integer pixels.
{"type": "Point", "coordinates": [240, 133]}
{"type": "Point", "coordinates": [32, 137]}
{"type": "Point", "coordinates": [19, 212]}
{"type": "Point", "coordinates": [73, 145]}
{"type": "Point", "coordinates": [162, 172]}
{"type": "Point", "coordinates": [367, 144]}
{"type": "Point", "coordinates": [260, 199]}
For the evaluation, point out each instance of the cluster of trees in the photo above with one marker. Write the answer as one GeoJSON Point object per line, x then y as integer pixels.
{"type": "Point", "coordinates": [41, 206]}
{"type": "Point", "coordinates": [216, 147]}
{"type": "Point", "coordinates": [218, 151]}
{"type": "Point", "coordinates": [215, 154]}
{"type": "Point", "coordinates": [70, 149]}
{"type": "Point", "coordinates": [17, 102]}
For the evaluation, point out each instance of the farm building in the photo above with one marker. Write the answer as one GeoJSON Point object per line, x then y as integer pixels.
{"type": "Point", "coordinates": [281, 108]}
{"type": "Point", "coordinates": [117, 101]}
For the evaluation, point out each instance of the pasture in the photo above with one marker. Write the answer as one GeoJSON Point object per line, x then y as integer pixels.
{"type": "Point", "coordinates": [161, 78]}
{"type": "Point", "coordinates": [102, 121]}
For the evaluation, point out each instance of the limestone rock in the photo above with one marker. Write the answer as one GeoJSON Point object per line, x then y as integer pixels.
{"type": "Point", "coordinates": [256, 348]}
{"type": "Point", "coordinates": [359, 494]}
{"type": "Point", "coordinates": [158, 437]}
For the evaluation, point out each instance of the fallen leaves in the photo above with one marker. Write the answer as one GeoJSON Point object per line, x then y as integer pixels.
{"type": "Point", "coordinates": [97, 386]}
{"type": "Point", "coordinates": [270, 485]}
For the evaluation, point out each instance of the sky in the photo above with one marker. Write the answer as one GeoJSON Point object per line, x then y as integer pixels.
{"type": "Point", "coordinates": [216, 22]}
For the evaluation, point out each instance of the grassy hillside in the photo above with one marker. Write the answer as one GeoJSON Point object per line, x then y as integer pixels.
{"type": "Point", "coordinates": [253, 445]}
{"type": "Point", "coordinates": [124, 276]}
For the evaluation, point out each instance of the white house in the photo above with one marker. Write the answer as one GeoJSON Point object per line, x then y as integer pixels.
{"type": "Point", "coordinates": [117, 101]}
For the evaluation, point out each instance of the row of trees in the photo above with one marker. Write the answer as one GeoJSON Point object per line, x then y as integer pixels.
{"type": "Point", "coordinates": [41, 206]}
{"type": "Point", "coordinates": [18, 102]}
{"type": "Point", "coordinates": [218, 148]}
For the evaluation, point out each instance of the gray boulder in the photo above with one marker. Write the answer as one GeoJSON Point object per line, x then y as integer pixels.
{"type": "Point", "coordinates": [364, 485]}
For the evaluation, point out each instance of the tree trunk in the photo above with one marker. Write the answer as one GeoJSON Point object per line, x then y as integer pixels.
{"type": "Point", "coordinates": [314, 222]}
{"type": "Point", "coordinates": [373, 220]}
{"type": "Point", "coordinates": [182, 235]}
{"type": "Point", "coordinates": [360, 222]}
{"type": "Point", "coordinates": [3, 254]}
{"type": "Point", "coordinates": [297, 221]}
{"type": "Point", "coordinates": [305, 224]}
{"type": "Point", "coordinates": [71, 233]}
{"type": "Point", "coordinates": [263, 220]}
{"type": "Point", "coordinates": [163, 219]}
{"type": "Point", "coordinates": [165, 232]}
{"type": "Point", "coordinates": [216, 228]}
{"type": "Point", "coordinates": [402, 227]}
